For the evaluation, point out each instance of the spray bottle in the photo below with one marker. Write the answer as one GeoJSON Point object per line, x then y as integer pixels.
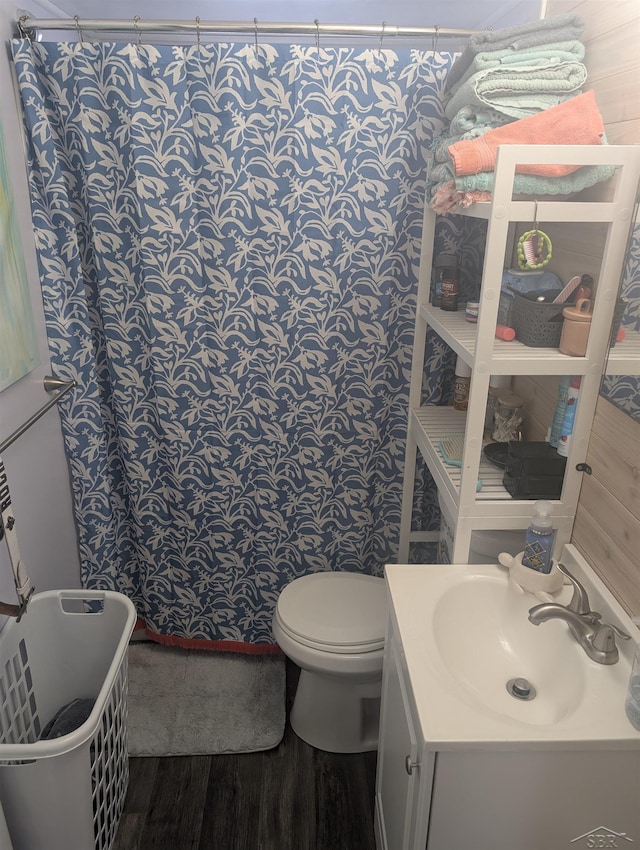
{"type": "Point", "coordinates": [538, 541]}
{"type": "Point", "coordinates": [566, 431]}
{"type": "Point", "coordinates": [561, 409]}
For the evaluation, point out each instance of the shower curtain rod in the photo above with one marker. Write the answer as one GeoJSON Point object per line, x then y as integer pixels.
{"type": "Point", "coordinates": [255, 27]}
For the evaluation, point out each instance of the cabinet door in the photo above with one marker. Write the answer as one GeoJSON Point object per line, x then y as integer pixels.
{"type": "Point", "coordinates": [397, 789]}
{"type": "Point", "coordinates": [546, 799]}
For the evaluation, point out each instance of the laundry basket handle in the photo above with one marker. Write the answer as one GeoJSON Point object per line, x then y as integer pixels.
{"type": "Point", "coordinates": [80, 601]}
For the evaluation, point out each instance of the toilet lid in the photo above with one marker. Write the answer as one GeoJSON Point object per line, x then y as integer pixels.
{"type": "Point", "coordinates": [344, 612]}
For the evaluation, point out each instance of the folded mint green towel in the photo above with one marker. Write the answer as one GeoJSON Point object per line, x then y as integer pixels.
{"type": "Point", "coordinates": [440, 172]}
{"type": "Point", "coordinates": [522, 91]}
{"type": "Point", "coordinates": [542, 56]}
{"type": "Point", "coordinates": [565, 27]}
{"type": "Point", "coordinates": [470, 117]}
{"type": "Point", "coordinates": [535, 184]}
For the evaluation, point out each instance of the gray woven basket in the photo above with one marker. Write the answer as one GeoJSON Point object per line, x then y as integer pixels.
{"type": "Point", "coordinates": [536, 324]}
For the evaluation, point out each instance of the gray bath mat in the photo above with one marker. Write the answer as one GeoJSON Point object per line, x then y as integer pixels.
{"type": "Point", "coordinates": [190, 702]}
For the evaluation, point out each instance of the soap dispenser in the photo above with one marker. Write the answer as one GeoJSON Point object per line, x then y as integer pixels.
{"type": "Point", "coordinates": [538, 541]}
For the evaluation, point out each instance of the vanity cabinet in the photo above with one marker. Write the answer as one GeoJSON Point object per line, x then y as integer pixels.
{"type": "Point", "coordinates": [453, 774]}
{"type": "Point", "coordinates": [403, 782]}
{"type": "Point", "coordinates": [492, 507]}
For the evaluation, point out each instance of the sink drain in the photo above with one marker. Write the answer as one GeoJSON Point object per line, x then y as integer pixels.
{"type": "Point", "coordinates": [521, 689]}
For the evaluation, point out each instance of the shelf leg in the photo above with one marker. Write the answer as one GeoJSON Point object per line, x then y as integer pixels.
{"type": "Point", "coordinates": [407, 499]}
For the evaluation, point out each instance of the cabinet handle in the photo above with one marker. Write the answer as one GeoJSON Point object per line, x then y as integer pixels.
{"type": "Point", "coordinates": [409, 765]}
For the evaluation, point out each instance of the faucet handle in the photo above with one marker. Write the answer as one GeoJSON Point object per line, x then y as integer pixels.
{"type": "Point", "coordinates": [620, 632]}
{"type": "Point", "coordinates": [604, 640]}
{"type": "Point", "coordinates": [580, 600]}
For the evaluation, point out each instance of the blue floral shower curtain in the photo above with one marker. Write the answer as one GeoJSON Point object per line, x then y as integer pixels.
{"type": "Point", "coordinates": [228, 241]}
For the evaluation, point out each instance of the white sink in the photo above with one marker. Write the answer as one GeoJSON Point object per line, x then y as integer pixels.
{"type": "Point", "coordinates": [482, 633]}
{"type": "Point", "coordinates": [470, 635]}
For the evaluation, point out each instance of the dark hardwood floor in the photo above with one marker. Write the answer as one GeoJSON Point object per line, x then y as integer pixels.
{"type": "Point", "coordinates": [293, 797]}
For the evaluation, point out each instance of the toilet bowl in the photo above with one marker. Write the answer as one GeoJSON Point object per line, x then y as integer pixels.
{"type": "Point", "coordinates": [332, 626]}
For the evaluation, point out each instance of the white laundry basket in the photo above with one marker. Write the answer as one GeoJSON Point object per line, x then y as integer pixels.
{"type": "Point", "coordinates": [66, 793]}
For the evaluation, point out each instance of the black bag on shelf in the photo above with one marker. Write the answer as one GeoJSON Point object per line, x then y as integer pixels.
{"type": "Point", "coordinates": [533, 471]}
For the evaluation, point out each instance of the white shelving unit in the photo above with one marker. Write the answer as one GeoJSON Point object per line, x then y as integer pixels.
{"type": "Point", "coordinates": [491, 507]}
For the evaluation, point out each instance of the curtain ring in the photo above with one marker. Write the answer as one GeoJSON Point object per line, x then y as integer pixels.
{"type": "Point", "coordinates": [198, 31]}
{"type": "Point", "coordinates": [21, 28]}
{"type": "Point", "coordinates": [434, 38]}
{"type": "Point", "coordinates": [135, 26]}
{"type": "Point", "coordinates": [78, 29]}
{"type": "Point", "coordinates": [255, 32]}
{"type": "Point", "coordinates": [384, 24]}
{"type": "Point", "coordinates": [317, 23]}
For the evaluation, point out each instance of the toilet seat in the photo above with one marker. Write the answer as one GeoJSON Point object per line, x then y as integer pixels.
{"type": "Point", "coordinates": [336, 612]}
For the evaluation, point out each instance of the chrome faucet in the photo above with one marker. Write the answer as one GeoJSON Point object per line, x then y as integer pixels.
{"type": "Point", "coordinates": [598, 639]}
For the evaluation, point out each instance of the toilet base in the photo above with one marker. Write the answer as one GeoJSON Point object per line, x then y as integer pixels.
{"type": "Point", "coordinates": [336, 714]}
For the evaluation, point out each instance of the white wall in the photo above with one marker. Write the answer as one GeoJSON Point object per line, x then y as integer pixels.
{"type": "Point", "coordinates": [455, 14]}
{"type": "Point", "coordinates": [36, 464]}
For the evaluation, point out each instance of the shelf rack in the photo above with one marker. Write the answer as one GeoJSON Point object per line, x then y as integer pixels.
{"type": "Point", "coordinates": [491, 507]}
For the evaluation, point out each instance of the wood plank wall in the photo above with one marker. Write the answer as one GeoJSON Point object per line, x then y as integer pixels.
{"type": "Point", "coordinates": [607, 525]}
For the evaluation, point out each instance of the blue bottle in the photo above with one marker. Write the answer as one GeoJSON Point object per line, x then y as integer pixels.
{"type": "Point", "coordinates": [569, 417]}
{"type": "Point", "coordinates": [561, 409]}
{"type": "Point", "coordinates": [538, 541]}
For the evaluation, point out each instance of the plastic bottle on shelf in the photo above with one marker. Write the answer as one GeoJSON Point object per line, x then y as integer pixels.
{"type": "Point", "coordinates": [461, 385]}
{"type": "Point", "coordinates": [450, 291]}
{"type": "Point", "coordinates": [471, 311]}
{"type": "Point", "coordinates": [569, 417]}
{"type": "Point", "coordinates": [576, 328]}
{"type": "Point", "coordinates": [445, 266]}
{"type": "Point", "coordinates": [561, 409]}
{"type": "Point", "coordinates": [538, 541]}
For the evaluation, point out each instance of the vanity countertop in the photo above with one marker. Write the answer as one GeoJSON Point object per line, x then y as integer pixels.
{"type": "Point", "coordinates": [465, 632]}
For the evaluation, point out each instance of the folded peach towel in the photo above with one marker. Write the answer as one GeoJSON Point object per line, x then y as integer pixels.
{"type": "Point", "coordinates": [574, 122]}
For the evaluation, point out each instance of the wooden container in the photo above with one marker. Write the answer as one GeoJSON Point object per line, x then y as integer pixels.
{"type": "Point", "coordinates": [575, 328]}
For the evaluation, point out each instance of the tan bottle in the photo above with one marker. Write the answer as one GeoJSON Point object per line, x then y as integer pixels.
{"type": "Point", "coordinates": [461, 385]}
{"type": "Point", "coordinates": [575, 328]}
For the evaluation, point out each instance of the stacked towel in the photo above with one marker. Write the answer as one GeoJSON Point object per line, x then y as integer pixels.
{"type": "Point", "coordinates": [518, 85]}
{"type": "Point", "coordinates": [521, 85]}
{"type": "Point", "coordinates": [524, 37]}
{"type": "Point", "coordinates": [541, 55]}
{"type": "Point", "coordinates": [575, 122]}
{"type": "Point", "coordinates": [465, 191]}
{"type": "Point", "coordinates": [476, 121]}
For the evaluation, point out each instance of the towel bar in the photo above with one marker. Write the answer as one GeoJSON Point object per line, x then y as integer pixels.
{"type": "Point", "coordinates": [50, 384]}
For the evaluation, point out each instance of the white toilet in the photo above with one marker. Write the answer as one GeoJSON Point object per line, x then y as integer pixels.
{"type": "Point", "coordinates": [332, 625]}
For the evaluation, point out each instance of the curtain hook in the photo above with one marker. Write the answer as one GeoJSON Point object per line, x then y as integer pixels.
{"type": "Point", "coordinates": [317, 23]}
{"type": "Point", "coordinates": [384, 24]}
{"type": "Point", "coordinates": [255, 32]}
{"type": "Point", "coordinates": [198, 31]}
{"type": "Point", "coordinates": [24, 32]}
{"type": "Point", "coordinates": [434, 39]}
{"type": "Point", "coordinates": [78, 29]}
{"type": "Point", "coordinates": [136, 28]}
